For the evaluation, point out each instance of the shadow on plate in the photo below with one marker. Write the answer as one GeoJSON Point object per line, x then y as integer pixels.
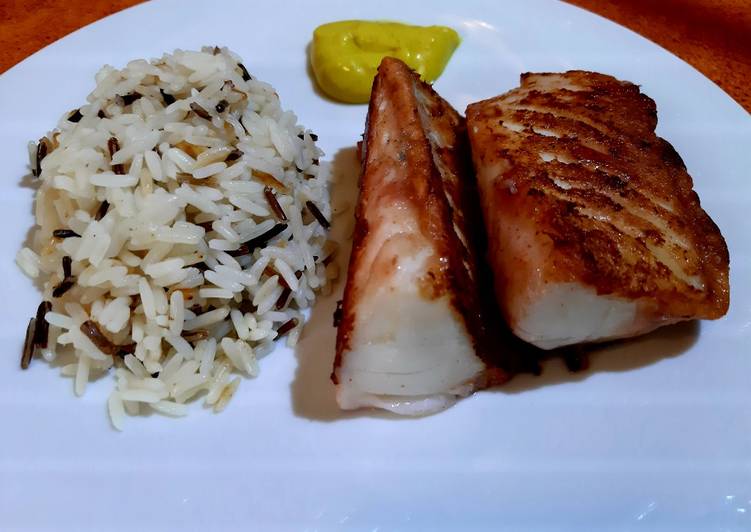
{"type": "Point", "coordinates": [312, 391]}
{"type": "Point", "coordinates": [623, 355]}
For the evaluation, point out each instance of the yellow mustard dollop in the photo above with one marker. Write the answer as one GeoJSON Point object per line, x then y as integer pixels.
{"type": "Point", "coordinates": [345, 55]}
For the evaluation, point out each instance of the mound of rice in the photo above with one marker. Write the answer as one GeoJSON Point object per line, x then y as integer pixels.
{"type": "Point", "coordinates": [182, 224]}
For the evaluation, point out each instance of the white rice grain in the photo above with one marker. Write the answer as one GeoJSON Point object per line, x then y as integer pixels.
{"type": "Point", "coordinates": [116, 410]}
{"type": "Point", "coordinates": [28, 261]}
{"type": "Point", "coordinates": [176, 312]}
{"type": "Point", "coordinates": [287, 274]}
{"type": "Point", "coordinates": [170, 408]}
{"type": "Point", "coordinates": [238, 321]}
{"type": "Point", "coordinates": [205, 352]}
{"type": "Point", "coordinates": [180, 344]}
{"type": "Point", "coordinates": [135, 366]}
{"type": "Point", "coordinates": [60, 320]}
{"type": "Point", "coordinates": [226, 394]}
{"type": "Point", "coordinates": [223, 281]}
{"type": "Point", "coordinates": [217, 293]}
{"type": "Point", "coordinates": [220, 378]}
{"type": "Point", "coordinates": [187, 387]}
{"type": "Point", "coordinates": [147, 298]}
{"type": "Point", "coordinates": [164, 267]}
{"type": "Point", "coordinates": [82, 374]}
{"type": "Point", "coordinates": [109, 179]}
{"type": "Point", "coordinates": [154, 164]}
{"type": "Point", "coordinates": [209, 170]}
{"type": "Point", "coordinates": [142, 396]}
{"type": "Point", "coordinates": [171, 366]}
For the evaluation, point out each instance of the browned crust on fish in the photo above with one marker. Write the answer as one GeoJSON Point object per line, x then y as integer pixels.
{"type": "Point", "coordinates": [614, 209]}
{"type": "Point", "coordinates": [405, 110]}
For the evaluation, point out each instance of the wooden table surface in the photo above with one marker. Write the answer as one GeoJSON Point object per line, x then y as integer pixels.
{"type": "Point", "coordinates": [712, 35]}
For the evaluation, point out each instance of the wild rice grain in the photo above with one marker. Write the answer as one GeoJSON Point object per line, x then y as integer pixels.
{"type": "Point", "coordinates": [270, 272]}
{"type": "Point", "coordinates": [28, 344]}
{"type": "Point", "coordinates": [268, 192]}
{"type": "Point", "coordinates": [246, 76]}
{"type": "Point", "coordinates": [113, 146]}
{"type": "Point", "coordinates": [261, 240]}
{"type": "Point", "coordinates": [246, 306]}
{"type": "Point", "coordinates": [317, 214]}
{"type": "Point", "coordinates": [42, 149]}
{"type": "Point", "coordinates": [268, 179]}
{"type": "Point", "coordinates": [200, 111]}
{"type": "Point", "coordinates": [196, 336]}
{"type": "Point", "coordinates": [233, 156]}
{"type": "Point", "coordinates": [125, 350]}
{"type": "Point", "coordinates": [75, 116]}
{"type": "Point", "coordinates": [167, 98]}
{"type": "Point", "coordinates": [283, 298]}
{"type": "Point", "coordinates": [102, 210]}
{"type": "Point", "coordinates": [62, 287]}
{"type": "Point", "coordinates": [92, 331]}
{"type": "Point", "coordinates": [286, 327]}
{"type": "Point", "coordinates": [65, 233]}
{"type": "Point", "coordinates": [129, 98]}
{"type": "Point", "coordinates": [41, 330]}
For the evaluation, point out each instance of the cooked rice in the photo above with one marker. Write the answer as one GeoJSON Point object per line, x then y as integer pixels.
{"type": "Point", "coordinates": [181, 267]}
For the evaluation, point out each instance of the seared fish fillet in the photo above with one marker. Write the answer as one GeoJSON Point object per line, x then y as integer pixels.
{"type": "Point", "coordinates": [594, 230]}
{"type": "Point", "coordinates": [411, 337]}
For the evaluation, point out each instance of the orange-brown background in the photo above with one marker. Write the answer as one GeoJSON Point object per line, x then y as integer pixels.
{"type": "Point", "coordinates": [712, 35]}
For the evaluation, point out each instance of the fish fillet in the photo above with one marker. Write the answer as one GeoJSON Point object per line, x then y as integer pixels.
{"type": "Point", "coordinates": [594, 230]}
{"type": "Point", "coordinates": [412, 338]}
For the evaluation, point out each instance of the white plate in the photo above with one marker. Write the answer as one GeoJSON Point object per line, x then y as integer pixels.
{"type": "Point", "coordinates": [656, 436]}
